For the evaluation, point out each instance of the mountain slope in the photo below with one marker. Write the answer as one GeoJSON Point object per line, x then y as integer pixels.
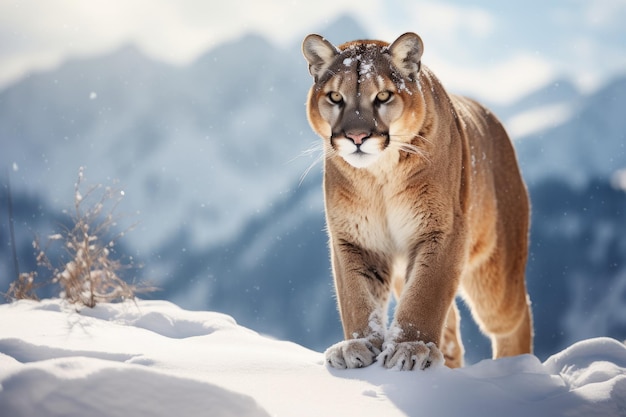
{"type": "Point", "coordinates": [591, 144]}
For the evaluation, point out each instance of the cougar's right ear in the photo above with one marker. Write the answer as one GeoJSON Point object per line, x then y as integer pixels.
{"type": "Point", "coordinates": [319, 53]}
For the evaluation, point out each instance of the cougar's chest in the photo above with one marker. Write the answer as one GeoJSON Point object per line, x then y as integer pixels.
{"type": "Point", "coordinates": [376, 216]}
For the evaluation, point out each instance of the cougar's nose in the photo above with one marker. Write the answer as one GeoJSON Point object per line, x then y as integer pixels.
{"type": "Point", "coordinates": [358, 137]}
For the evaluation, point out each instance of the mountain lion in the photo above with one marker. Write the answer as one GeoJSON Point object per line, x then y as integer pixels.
{"type": "Point", "coordinates": [424, 198]}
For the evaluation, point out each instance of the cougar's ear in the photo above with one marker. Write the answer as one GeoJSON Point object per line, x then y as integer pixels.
{"type": "Point", "coordinates": [319, 53]}
{"type": "Point", "coordinates": [406, 52]}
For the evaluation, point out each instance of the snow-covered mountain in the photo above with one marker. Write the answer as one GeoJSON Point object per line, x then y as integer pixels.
{"type": "Point", "coordinates": [540, 110]}
{"type": "Point", "coordinates": [211, 143]}
{"type": "Point", "coordinates": [208, 158]}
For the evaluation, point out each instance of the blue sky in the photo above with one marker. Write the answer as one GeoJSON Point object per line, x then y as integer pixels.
{"type": "Point", "coordinates": [490, 48]}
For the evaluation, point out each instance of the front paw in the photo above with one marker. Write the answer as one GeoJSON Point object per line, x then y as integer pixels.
{"type": "Point", "coordinates": [406, 356]}
{"type": "Point", "coordinates": [355, 353]}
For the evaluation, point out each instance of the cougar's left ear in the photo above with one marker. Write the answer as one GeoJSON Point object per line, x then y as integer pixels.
{"type": "Point", "coordinates": [406, 52]}
{"type": "Point", "coordinates": [319, 53]}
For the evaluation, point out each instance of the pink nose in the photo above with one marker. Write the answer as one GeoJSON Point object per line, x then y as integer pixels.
{"type": "Point", "coordinates": [357, 137]}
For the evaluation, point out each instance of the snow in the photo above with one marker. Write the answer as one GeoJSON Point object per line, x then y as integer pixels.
{"type": "Point", "coordinates": [152, 358]}
{"type": "Point", "coordinates": [618, 179]}
{"type": "Point", "coordinates": [539, 119]}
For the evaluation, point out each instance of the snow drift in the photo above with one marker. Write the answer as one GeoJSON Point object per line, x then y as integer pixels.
{"type": "Point", "coordinates": [151, 358]}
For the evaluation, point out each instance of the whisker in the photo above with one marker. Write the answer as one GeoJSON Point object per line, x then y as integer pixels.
{"type": "Point", "coordinates": [316, 150]}
{"type": "Point", "coordinates": [413, 135]}
{"type": "Point", "coordinates": [424, 139]}
{"type": "Point", "coordinates": [412, 149]}
{"type": "Point", "coordinates": [319, 158]}
{"type": "Point", "coordinates": [313, 149]}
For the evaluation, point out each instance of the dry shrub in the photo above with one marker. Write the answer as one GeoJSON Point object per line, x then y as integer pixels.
{"type": "Point", "coordinates": [90, 275]}
{"type": "Point", "coordinates": [24, 287]}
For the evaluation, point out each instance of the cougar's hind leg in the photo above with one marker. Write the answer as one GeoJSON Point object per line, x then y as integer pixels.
{"type": "Point", "coordinates": [496, 294]}
{"type": "Point", "coordinates": [451, 345]}
{"type": "Point", "coordinates": [519, 340]}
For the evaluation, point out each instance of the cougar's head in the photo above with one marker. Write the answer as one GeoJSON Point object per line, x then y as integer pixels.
{"type": "Point", "coordinates": [366, 97]}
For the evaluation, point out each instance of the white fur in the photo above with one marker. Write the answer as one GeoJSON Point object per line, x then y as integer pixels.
{"type": "Point", "coordinates": [370, 152]}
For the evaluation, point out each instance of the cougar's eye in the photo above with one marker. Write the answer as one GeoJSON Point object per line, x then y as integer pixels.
{"type": "Point", "coordinates": [383, 97]}
{"type": "Point", "coordinates": [335, 97]}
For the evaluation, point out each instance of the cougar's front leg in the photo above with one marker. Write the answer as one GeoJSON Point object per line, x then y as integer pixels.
{"type": "Point", "coordinates": [362, 285]}
{"type": "Point", "coordinates": [412, 341]}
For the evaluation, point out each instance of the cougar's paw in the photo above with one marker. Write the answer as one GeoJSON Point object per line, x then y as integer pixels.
{"type": "Point", "coordinates": [406, 356]}
{"type": "Point", "coordinates": [355, 353]}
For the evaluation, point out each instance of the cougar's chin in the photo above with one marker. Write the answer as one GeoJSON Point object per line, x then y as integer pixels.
{"type": "Point", "coordinates": [360, 159]}
{"type": "Point", "coordinates": [359, 156]}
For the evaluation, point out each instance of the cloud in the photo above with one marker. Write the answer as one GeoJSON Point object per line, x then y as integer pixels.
{"type": "Point", "coordinates": [451, 21]}
{"type": "Point", "coordinates": [444, 24]}
{"type": "Point", "coordinates": [605, 13]}
{"type": "Point", "coordinates": [39, 35]}
{"type": "Point", "coordinates": [499, 82]}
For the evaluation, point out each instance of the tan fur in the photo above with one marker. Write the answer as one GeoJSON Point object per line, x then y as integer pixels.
{"type": "Point", "coordinates": [433, 206]}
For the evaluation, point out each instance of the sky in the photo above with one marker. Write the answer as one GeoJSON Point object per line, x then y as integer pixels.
{"type": "Point", "coordinates": [498, 50]}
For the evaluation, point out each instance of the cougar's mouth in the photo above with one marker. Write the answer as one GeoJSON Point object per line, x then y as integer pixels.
{"type": "Point", "coordinates": [362, 154]}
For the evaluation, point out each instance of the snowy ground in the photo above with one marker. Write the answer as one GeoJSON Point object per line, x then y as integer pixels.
{"type": "Point", "coordinates": [152, 358]}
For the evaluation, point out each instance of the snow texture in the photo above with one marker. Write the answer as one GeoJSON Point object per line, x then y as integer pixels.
{"type": "Point", "coordinates": [151, 358]}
